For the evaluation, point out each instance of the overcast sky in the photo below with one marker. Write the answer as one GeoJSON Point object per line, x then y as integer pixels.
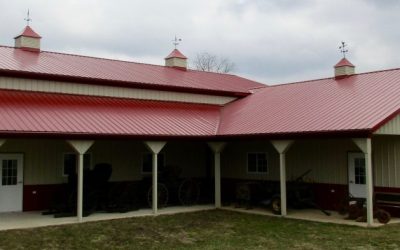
{"type": "Point", "coordinates": [269, 41]}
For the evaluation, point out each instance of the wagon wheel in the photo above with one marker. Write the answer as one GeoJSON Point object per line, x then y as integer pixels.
{"type": "Point", "coordinates": [276, 205]}
{"type": "Point", "coordinates": [383, 216]}
{"type": "Point", "coordinates": [162, 195]}
{"type": "Point", "coordinates": [354, 212]}
{"type": "Point", "coordinates": [189, 192]}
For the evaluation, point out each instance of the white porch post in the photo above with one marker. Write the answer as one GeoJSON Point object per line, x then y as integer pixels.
{"type": "Point", "coordinates": [217, 148]}
{"type": "Point", "coordinates": [155, 147]}
{"type": "Point", "coordinates": [81, 147]}
{"type": "Point", "coordinates": [2, 141]}
{"type": "Point", "coordinates": [282, 147]}
{"type": "Point", "coordinates": [365, 144]}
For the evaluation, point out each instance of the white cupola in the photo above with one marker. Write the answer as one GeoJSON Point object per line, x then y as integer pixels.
{"type": "Point", "coordinates": [28, 40]}
{"type": "Point", "coordinates": [176, 60]}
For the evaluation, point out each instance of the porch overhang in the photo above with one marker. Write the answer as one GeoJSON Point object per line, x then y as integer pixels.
{"type": "Point", "coordinates": [364, 133]}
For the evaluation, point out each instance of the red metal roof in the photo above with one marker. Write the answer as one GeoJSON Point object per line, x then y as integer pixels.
{"type": "Point", "coordinates": [29, 32]}
{"type": "Point", "coordinates": [344, 62]}
{"type": "Point", "coordinates": [38, 113]}
{"type": "Point", "coordinates": [360, 102]}
{"type": "Point", "coordinates": [176, 53]}
{"type": "Point", "coordinates": [54, 66]}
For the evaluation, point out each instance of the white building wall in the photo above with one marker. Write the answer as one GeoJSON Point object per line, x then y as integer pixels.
{"type": "Point", "coordinates": [43, 159]}
{"type": "Point", "coordinates": [386, 161]}
{"type": "Point", "coordinates": [326, 157]}
{"type": "Point", "coordinates": [109, 91]}
{"type": "Point", "coordinates": [390, 128]}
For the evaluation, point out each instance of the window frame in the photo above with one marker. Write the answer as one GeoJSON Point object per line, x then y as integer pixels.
{"type": "Point", "coordinates": [257, 172]}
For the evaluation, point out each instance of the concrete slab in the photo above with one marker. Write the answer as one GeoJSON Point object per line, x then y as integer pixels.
{"type": "Point", "coordinates": [22, 220]}
{"type": "Point", "coordinates": [311, 215]}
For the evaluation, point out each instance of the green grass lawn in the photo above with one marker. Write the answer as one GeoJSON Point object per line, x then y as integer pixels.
{"type": "Point", "coordinates": [214, 229]}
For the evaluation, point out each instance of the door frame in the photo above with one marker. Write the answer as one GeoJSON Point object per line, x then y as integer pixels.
{"type": "Point", "coordinates": [21, 156]}
{"type": "Point", "coordinates": [348, 167]}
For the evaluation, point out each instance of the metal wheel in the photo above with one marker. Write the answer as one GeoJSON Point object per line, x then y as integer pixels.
{"type": "Point", "coordinates": [162, 195]}
{"type": "Point", "coordinates": [276, 205]}
{"type": "Point", "coordinates": [189, 192]}
{"type": "Point", "coordinates": [383, 216]}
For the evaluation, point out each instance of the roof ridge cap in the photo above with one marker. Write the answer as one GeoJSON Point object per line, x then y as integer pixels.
{"type": "Point", "coordinates": [87, 56]}
{"type": "Point", "coordinates": [327, 78]}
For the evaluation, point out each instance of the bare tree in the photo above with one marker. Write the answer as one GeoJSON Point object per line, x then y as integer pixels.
{"type": "Point", "coordinates": [212, 63]}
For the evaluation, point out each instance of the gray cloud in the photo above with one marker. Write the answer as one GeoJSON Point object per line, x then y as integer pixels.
{"type": "Point", "coordinates": [270, 41]}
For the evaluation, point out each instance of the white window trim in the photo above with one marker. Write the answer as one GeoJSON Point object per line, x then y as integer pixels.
{"type": "Point", "coordinates": [142, 162]}
{"type": "Point", "coordinates": [256, 172]}
{"type": "Point", "coordinates": [70, 153]}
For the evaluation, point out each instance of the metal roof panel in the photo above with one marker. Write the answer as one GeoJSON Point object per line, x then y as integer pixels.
{"type": "Point", "coordinates": [48, 64]}
{"type": "Point", "coordinates": [32, 112]}
{"type": "Point", "coordinates": [358, 102]}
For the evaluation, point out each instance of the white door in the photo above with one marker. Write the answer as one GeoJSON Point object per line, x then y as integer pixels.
{"type": "Point", "coordinates": [357, 178]}
{"type": "Point", "coordinates": [11, 182]}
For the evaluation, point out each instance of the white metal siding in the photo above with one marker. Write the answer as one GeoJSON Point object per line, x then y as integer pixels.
{"type": "Point", "coordinates": [43, 159]}
{"type": "Point", "coordinates": [108, 91]}
{"type": "Point", "coordinates": [30, 42]}
{"type": "Point", "coordinates": [27, 42]}
{"type": "Point", "coordinates": [344, 70]}
{"type": "Point", "coordinates": [326, 158]}
{"type": "Point", "coordinates": [390, 128]}
{"type": "Point", "coordinates": [176, 62]}
{"type": "Point", "coordinates": [386, 161]}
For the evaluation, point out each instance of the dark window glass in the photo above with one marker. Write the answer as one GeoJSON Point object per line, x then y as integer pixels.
{"type": "Point", "coordinates": [257, 163]}
{"type": "Point", "coordinates": [9, 172]}
{"type": "Point", "coordinates": [359, 171]}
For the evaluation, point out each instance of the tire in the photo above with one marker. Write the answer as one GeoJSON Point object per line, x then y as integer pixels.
{"type": "Point", "coordinates": [189, 192]}
{"type": "Point", "coordinates": [162, 193]}
{"type": "Point", "coordinates": [383, 216]}
{"type": "Point", "coordinates": [276, 205]}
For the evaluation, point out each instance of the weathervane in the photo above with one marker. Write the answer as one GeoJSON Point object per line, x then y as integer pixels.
{"type": "Point", "coordinates": [343, 49]}
{"type": "Point", "coordinates": [176, 41]}
{"type": "Point", "coordinates": [27, 19]}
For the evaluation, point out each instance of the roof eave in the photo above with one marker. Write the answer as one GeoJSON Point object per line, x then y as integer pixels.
{"type": "Point", "coordinates": [90, 136]}
{"type": "Point", "coordinates": [386, 120]}
{"type": "Point", "coordinates": [275, 136]}
{"type": "Point", "coordinates": [353, 133]}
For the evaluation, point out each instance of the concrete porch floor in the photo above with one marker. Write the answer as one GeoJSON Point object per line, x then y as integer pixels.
{"type": "Point", "coordinates": [311, 215]}
{"type": "Point", "coordinates": [22, 220]}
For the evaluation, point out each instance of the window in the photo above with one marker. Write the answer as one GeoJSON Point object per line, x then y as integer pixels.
{"type": "Point", "coordinates": [257, 163]}
{"type": "Point", "coordinates": [70, 163]}
{"type": "Point", "coordinates": [147, 162]}
{"type": "Point", "coordinates": [9, 173]}
{"type": "Point", "coordinates": [359, 170]}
